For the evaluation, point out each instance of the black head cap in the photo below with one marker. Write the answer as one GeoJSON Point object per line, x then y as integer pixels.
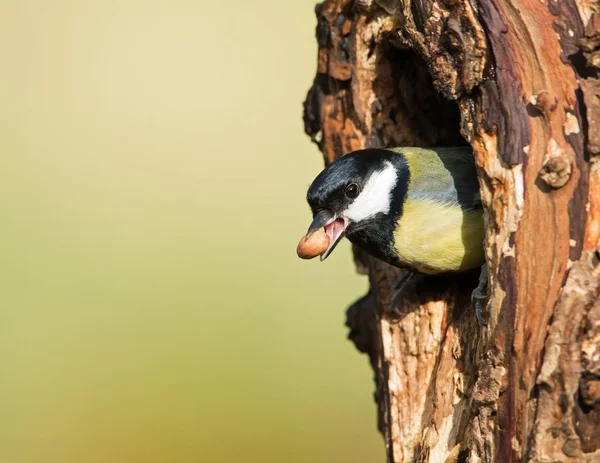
{"type": "Point", "coordinates": [329, 188]}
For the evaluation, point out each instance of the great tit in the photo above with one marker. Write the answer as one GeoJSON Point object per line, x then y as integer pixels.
{"type": "Point", "coordinates": [415, 208]}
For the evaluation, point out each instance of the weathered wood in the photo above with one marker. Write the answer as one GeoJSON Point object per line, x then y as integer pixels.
{"type": "Point", "coordinates": [518, 80]}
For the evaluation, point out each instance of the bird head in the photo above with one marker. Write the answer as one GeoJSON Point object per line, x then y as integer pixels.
{"type": "Point", "coordinates": [355, 190]}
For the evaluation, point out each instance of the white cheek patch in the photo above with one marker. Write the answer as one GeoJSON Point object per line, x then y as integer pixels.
{"type": "Point", "coordinates": [375, 196]}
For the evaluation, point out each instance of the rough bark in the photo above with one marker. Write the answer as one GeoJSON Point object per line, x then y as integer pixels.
{"type": "Point", "coordinates": [518, 80]}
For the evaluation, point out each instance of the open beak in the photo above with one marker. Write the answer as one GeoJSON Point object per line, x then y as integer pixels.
{"type": "Point", "coordinates": [334, 227]}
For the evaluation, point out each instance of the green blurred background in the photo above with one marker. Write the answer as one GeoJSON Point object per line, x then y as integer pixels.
{"type": "Point", "coordinates": [153, 169]}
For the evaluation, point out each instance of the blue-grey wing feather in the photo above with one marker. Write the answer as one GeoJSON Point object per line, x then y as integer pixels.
{"type": "Point", "coordinates": [450, 177]}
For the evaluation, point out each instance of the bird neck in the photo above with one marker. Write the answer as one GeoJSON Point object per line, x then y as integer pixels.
{"type": "Point", "coordinates": [400, 190]}
{"type": "Point", "coordinates": [376, 234]}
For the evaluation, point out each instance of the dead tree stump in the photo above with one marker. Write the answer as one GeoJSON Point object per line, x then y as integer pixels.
{"type": "Point", "coordinates": [519, 81]}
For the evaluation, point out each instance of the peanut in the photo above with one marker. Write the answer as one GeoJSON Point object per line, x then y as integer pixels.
{"type": "Point", "coordinates": [314, 246]}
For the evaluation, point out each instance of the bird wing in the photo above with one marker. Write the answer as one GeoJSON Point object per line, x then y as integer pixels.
{"type": "Point", "coordinates": [443, 175]}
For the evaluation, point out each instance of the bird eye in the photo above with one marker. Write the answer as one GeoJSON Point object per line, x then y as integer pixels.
{"type": "Point", "coordinates": [352, 191]}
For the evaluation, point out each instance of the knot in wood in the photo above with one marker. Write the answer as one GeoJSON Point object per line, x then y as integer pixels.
{"type": "Point", "coordinates": [544, 103]}
{"type": "Point", "coordinates": [589, 390]}
{"type": "Point", "coordinates": [556, 170]}
{"type": "Point", "coordinates": [571, 447]}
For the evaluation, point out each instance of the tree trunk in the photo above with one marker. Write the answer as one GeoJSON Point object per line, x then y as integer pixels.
{"type": "Point", "coordinates": [518, 80]}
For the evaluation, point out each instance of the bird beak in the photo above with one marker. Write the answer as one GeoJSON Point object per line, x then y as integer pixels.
{"type": "Point", "coordinates": [334, 227]}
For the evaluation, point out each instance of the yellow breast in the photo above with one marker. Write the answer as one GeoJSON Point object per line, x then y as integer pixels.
{"type": "Point", "coordinates": [436, 238]}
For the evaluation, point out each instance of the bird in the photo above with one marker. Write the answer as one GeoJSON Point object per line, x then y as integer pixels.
{"type": "Point", "coordinates": [415, 208]}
